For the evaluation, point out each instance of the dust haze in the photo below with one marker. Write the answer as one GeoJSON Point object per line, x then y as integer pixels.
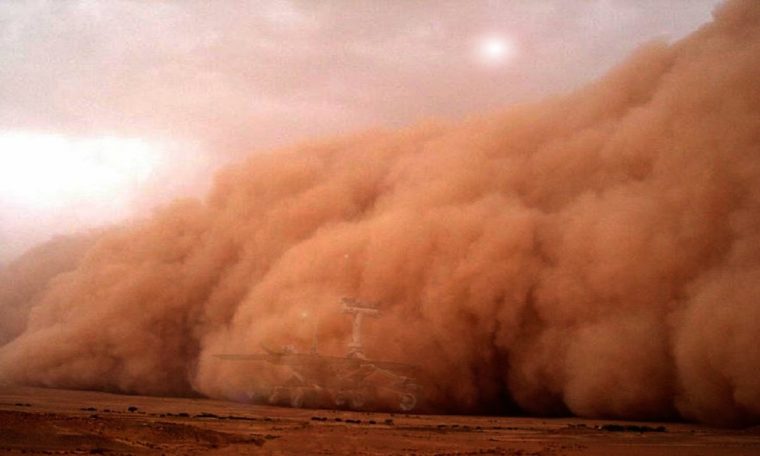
{"type": "Point", "coordinates": [595, 254]}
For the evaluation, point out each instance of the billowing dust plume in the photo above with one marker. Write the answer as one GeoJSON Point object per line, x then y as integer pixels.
{"type": "Point", "coordinates": [595, 254]}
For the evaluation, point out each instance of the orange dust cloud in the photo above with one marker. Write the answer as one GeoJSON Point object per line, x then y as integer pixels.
{"type": "Point", "coordinates": [595, 254]}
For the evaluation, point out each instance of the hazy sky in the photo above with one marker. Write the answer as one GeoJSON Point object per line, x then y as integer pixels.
{"type": "Point", "coordinates": [105, 105]}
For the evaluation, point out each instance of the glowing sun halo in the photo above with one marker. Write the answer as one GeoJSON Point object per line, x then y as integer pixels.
{"type": "Point", "coordinates": [45, 171]}
{"type": "Point", "coordinates": [494, 50]}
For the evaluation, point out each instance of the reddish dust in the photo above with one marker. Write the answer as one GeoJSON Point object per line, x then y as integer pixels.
{"type": "Point", "coordinates": [597, 254]}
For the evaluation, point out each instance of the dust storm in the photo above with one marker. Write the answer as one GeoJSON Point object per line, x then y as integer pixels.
{"type": "Point", "coordinates": [596, 254]}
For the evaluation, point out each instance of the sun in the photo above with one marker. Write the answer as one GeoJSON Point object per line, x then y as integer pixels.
{"type": "Point", "coordinates": [47, 172]}
{"type": "Point", "coordinates": [495, 49]}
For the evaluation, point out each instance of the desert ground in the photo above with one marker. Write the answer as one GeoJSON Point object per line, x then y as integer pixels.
{"type": "Point", "coordinates": [57, 421]}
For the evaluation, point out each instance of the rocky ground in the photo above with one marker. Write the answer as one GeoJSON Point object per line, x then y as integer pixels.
{"type": "Point", "coordinates": [54, 421]}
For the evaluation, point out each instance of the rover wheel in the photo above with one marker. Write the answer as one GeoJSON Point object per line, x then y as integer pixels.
{"type": "Point", "coordinates": [407, 402]}
{"type": "Point", "coordinates": [341, 399]}
{"type": "Point", "coordinates": [274, 396]}
{"type": "Point", "coordinates": [358, 399]}
{"type": "Point", "coordinates": [296, 398]}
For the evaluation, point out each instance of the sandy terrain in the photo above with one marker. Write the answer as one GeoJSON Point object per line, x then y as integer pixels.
{"type": "Point", "coordinates": [54, 421]}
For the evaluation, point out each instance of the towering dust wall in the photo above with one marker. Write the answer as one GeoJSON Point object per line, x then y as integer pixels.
{"type": "Point", "coordinates": [597, 254]}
